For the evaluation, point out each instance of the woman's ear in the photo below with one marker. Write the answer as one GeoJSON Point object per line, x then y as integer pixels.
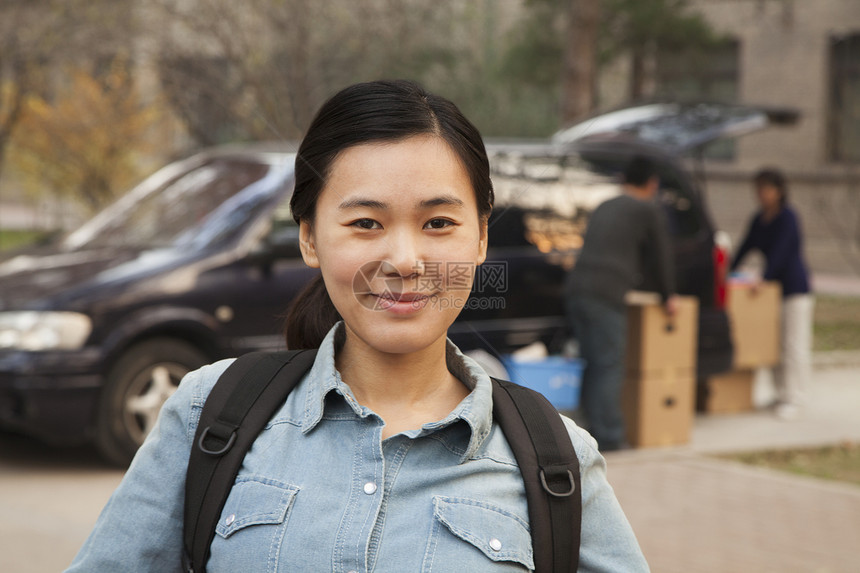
{"type": "Point", "coordinates": [307, 246]}
{"type": "Point", "coordinates": [482, 241]}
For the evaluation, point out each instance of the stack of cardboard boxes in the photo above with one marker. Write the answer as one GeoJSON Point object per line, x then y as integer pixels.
{"type": "Point", "coordinates": [659, 390]}
{"type": "Point", "coordinates": [754, 313]}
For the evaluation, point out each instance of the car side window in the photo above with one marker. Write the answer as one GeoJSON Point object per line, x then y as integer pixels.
{"type": "Point", "coordinates": [282, 219]}
{"type": "Point", "coordinates": [282, 238]}
{"type": "Point", "coordinates": [203, 205]}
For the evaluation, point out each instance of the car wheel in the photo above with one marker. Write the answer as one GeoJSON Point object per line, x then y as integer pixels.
{"type": "Point", "coordinates": [137, 386]}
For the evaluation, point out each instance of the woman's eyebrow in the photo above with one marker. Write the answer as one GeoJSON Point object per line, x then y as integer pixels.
{"type": "Point", "coordinates": [359, 202]}
{"type": "Point", "coordinates": [442, 200]}
{"type": "Point", "coordinates": [375, 204]}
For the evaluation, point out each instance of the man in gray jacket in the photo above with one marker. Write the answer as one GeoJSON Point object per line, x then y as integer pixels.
{"type": "Point", "coordinates": [626, 245]}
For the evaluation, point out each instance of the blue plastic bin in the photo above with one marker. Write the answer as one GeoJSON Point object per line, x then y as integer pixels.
{"type": "Point", "coordinates": [556, 377]}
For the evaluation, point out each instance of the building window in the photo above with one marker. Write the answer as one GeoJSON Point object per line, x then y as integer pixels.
{"type": "Point", "coordinates": [705, 74]}
{"type": "Point", "coordinates": [844, 136]}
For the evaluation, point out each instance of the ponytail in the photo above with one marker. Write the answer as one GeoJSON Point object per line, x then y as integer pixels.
{"type": "Point", "coordinates": [310, 316]}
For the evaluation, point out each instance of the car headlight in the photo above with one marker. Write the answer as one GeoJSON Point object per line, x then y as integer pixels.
{"type": "Point", "coordinates": [36, 330]}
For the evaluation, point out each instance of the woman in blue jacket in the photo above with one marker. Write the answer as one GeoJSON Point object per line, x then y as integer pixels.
{"type": "Point", "coordinates": [775, 232]}
{"type": "Point", "coordinates": [386, 456]}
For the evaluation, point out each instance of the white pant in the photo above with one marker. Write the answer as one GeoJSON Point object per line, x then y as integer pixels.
{"type": "Point", "coordinates": [791, 376]}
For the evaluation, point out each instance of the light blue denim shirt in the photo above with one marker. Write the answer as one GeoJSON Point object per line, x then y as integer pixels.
{"type": "Point", "coordinates": [320, 490]}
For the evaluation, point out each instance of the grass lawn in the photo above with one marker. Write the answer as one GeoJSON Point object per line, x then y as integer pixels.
{"type": "Point", "coordinates": [836, 323]}
{"type": "Point", "coordinates": [841, 463]}
{"type": "Point", "coordinates": [10, 239]}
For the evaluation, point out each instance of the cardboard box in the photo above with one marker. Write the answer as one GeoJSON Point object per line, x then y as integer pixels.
{"type": "Point", "coordinates": [730, 392]}
{"type": "Point", "coordinates": [656, 341]}
{"type": "Point", "coordinates": [659, 407]}
{"type": "Point", "coordinates": [658, 397]}
{"type": "Point", "coordinates": [755, 319]}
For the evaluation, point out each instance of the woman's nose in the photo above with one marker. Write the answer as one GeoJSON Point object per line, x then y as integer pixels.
{"type": "Point", "coordinates": [404, 256]}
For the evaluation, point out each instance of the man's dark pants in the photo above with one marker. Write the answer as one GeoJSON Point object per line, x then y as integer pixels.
{"type": "Point", "coordinates": [601, 329]}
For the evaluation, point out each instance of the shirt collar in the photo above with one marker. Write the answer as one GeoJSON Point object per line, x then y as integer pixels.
{"type": "Point", "coordinates": [476, 409]}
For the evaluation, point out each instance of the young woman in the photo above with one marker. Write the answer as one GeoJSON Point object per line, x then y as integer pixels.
{"type": "Point", "coordinates": [385, 457]}
{"type": "Point", "coordinates": [775, 232]}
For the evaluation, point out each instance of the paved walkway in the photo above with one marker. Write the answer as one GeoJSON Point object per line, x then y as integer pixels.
{"type": "Point", "coordinates": [843, 284]}
{"type": "Point", "coordinates": [697, 514]}
{"type": "Point", "coordinates": [694, 512]}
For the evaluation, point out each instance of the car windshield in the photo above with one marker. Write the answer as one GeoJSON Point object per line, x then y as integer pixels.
{"type": "Point", "coordinates": [201, 205]}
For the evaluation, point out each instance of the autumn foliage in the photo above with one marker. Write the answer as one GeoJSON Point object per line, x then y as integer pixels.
{"type": "Point", "coordinates": [90, 140]}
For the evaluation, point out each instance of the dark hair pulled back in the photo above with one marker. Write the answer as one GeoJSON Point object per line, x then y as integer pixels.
{"type": "Point", "coordinates": [774, 177]}
{"type": "Point", "coordinates": [379, 111]}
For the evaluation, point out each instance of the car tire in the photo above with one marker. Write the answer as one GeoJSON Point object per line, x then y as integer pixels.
{"type": "Point", "coordinates": [136, 388]}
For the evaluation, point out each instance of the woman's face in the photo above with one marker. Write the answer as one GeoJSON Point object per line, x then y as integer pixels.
{"type": "Point", "coordinates": [397, 237]}
{"type": "Point", "coordinates": [768, 197]}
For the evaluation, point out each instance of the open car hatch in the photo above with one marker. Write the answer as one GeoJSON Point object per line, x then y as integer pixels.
{"type": "Point", "coordinates": [681, 127]}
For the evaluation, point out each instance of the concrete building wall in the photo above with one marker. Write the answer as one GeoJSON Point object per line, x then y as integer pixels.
{"type": "Point", "coordinates": [785, 62]}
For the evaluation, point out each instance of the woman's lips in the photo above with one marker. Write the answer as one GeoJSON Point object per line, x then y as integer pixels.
{"type": "Point", "coordinates": [402, 303]}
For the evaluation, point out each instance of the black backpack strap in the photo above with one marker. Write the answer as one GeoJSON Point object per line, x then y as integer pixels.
{"type": "Point", "coordinates": [547, 460]}
{"type": "Point", "coordinates": [241, 403]}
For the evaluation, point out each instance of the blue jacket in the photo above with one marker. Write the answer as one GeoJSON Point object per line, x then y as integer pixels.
{"type": "Point", "coordinates": [321, 491]}
{"type": "Point", "coordinates": [781, 242]}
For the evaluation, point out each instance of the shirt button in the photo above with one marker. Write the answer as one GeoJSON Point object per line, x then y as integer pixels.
{"type": "Point", "coordinates": [370, 488]}
{"type": "Point", "coordinates": [230, 519]}
{"type": "Point", "coordinates": [495, 544]}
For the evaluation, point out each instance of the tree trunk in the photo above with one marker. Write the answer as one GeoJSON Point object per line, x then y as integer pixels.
{"type": "Point", "coordinates": [643, 80]}
{"type": "Point", "coordinates": [300, 88]}
{"type": "Point", "coordinates": [580, 60]}
{"type": "Point", "coordinates": [16, 108]}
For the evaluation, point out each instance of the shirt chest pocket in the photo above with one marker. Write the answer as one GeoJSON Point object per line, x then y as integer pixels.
{"type": "Point", "coordinates": [472, 535]}
{"type": "Point", "coordinates": [255, 501]}
{"type": "Point", "coordinates": [251, 524]}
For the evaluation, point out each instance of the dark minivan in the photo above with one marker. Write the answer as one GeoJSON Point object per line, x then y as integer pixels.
{"type": "Point", "coordinates": [200, 261]}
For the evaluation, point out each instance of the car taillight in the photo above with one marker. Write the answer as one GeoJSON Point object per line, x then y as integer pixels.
{"type": "Point", "coordinates": [721, 268]}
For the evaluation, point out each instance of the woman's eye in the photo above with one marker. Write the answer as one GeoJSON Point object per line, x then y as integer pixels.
{"type": "Point", "coordinates": [438, 224]}
{"type": "Point", "coordinates": [368, 224]}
